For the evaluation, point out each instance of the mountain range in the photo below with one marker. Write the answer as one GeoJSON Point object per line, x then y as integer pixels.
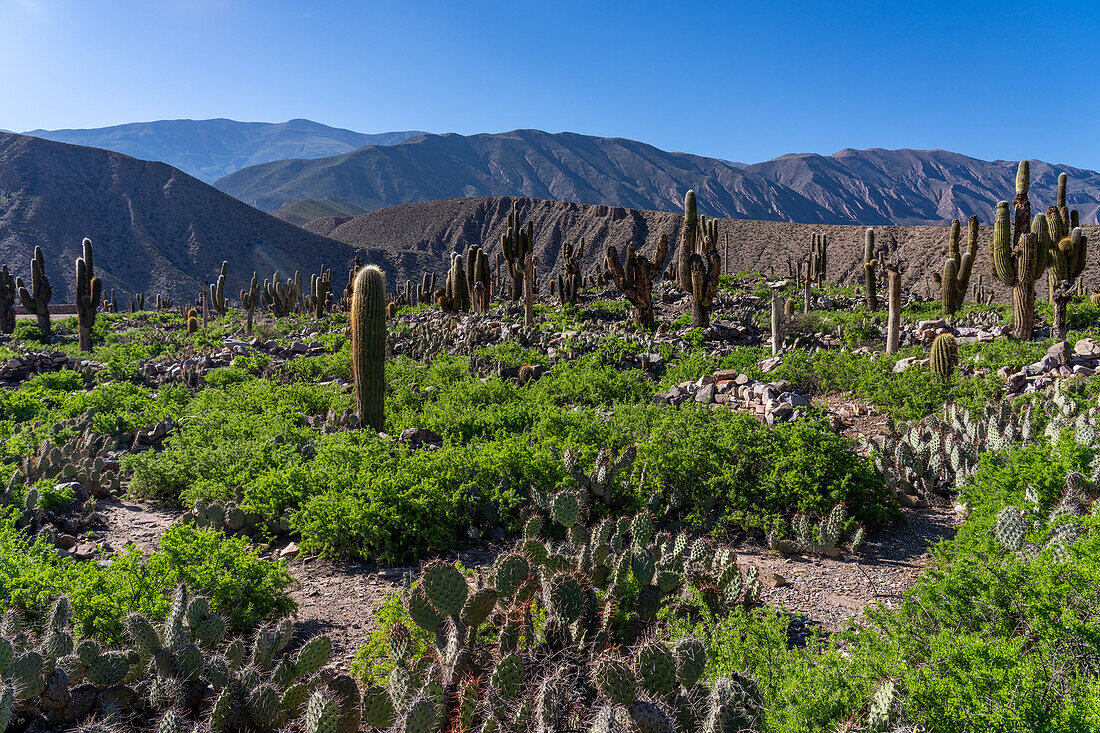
{"type": "Point", "coordinates": [210, 149]}
{"type": "Point", "coordinates": [154, 228]}
{"type": "Point", "coordinates": [873, 187]}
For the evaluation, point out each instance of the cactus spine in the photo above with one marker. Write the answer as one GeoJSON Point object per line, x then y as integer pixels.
{"type": "Point", "coordinates": [635, 280]}
{"type": "Point", "coordinates": [955, 278]}
{"type": "Point", "coordinates": [89, 288]}
{"type": "Point", "coordinates": [37, 298]}
{"type": "Point", "coordinates": [1020, 253]}
{"type": "Point", "coordinates": [869, 264]}
{"type": "Point", "coordinates": [367, 320]}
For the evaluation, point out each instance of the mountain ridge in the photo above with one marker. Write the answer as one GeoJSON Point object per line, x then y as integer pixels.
{"type": "Point", "coordinates": [873, 187]}
{"type": "Point", "coordinates": [210, 149]}
{"type": "Point", "coordinates": [155, 229]}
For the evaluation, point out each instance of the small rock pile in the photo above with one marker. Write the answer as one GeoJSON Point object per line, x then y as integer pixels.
{"type": "Point", "coordinates": [19, 368]}
{"type": "Point", "coordinates": [1061, 361]}
{"type": "Point", "coordinates": [770, 401]}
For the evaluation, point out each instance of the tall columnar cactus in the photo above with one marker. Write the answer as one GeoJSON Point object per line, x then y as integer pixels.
{"type": "Point", "coordinates": [1020, 253]}
{"type": "Point", "coordinates": [37, 298]}
{"type": "Point", "coordinates": [320, 290]}
{"type": "Point", "coordinates": [1068, 253]}
{"type": "Point", "coordinates": [529, 290]}
{"type": "Point", "coordinates": [426, 289]}
{"type": "Point", "coordinates": [89, 288]}
{"type": "Point", "coordinates": [945, 355]}
{"type": "Point", "coordinates": [516, 244]}
{"type": "Point", "coordinates": [635, 280]}
{"type": "Point", "coordinates": [478, 279]}
{"type": "Point", "coordinates": [687, 242]}
{"type": "Point", "coordinates": [569, 282]}
{"type": "Point", "coordinates": [893, 319]}
{"type": "Point", "coordinates": [367, 320]}
{"type": "Point", "coordinates": [281, 297]}
{"type": "Point", "coordinates": [455, 296]}
{"type": "Point", "coordinates": [250, 301]}
{"type": "Point", "coordinates": [819, 245]}
{"type": "Point", "coordinates": [955, 278]}
{"type": "Point", "coordinates": [699, 263]}
{"type": "Point", "coordinates": [869, 264]}
{"type": "Point", "coordinates": [8, 292]}
{"type": "Point", "coordinates": [217, 292]}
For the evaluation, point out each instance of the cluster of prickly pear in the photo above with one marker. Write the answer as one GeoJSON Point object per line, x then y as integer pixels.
{"type": "Point", "coordinates": [827, 540]}
{"type": "Point", "coordinates": [231, 519]}
{"type": "Point", "coordinates": [82, 458]}
{"type": "Point", "coordinates": [1058, 528]}
{"type": "Point", "coordinates": [605, 482]}
{"type": "Point", "coordinates": [179, 669]}
{"type": "Point", "coordinates": [597, 589]}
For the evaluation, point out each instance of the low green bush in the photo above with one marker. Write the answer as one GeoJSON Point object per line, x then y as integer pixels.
{"type": "Point", "coordinates": [243, 588]}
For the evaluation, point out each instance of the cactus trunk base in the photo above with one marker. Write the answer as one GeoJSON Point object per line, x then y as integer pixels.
{"type": "Point", "coordinates": [44, 325]}
{"type": "Point", "coordinates": [1023, 310]}
{"type": "Point", "coordinates": [84, 336]}
{"type": "Point", "coordinates": [700, 314]}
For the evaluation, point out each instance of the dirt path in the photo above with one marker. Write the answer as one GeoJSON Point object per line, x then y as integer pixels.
{"type": "Point", "coordinates": [827, 592]}
{"type": "Point", "coordinates": [339, 598]}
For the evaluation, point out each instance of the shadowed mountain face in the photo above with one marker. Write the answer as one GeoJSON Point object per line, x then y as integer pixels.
{"type": "Point", "coordinates": [154, 228]}
{"type": "Point", "coordinates": [418, 238]}
{"type": "Point", "coordinates": [210, 149]}
{"type": "Point", "coordinates": [851, 187]}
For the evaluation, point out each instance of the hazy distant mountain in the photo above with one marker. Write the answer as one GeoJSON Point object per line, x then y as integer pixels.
{"type": "Point", "coordinates": [210, 149]}
{"type": "Point", "coordinates": [851, 187]}
{"type": "Point", "coordinates": [154, 228]}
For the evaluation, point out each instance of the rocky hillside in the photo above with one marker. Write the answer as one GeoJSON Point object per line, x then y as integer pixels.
{"type": "Point", "coordinates": [418, 237]}
{"type": "Point", "coordinates": [155, 229]}
{"type": "Point", "coordinates": [210, 149]}
{"type": "Point", "coordinates": [306, 210]}
{"type": "Point", "coordinates": [851, 187]}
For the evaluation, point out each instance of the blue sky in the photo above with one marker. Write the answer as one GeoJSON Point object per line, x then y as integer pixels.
{"type": "Point", "coordinates": [741, 81]}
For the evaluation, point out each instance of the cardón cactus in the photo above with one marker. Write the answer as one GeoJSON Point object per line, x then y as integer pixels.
{"type": "Point", "coordinates": [1020, 253]}
{"type": "Point", "coordinates": [367, 321]}
{"type": "Point", "coordinates": [955, 278]}
{"type": "Point", "coordinates": [635, 279]}
{"type": "Point", "coordinates": [37, 298]}
{"type": "Point", "coordinates": [88, 291]}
